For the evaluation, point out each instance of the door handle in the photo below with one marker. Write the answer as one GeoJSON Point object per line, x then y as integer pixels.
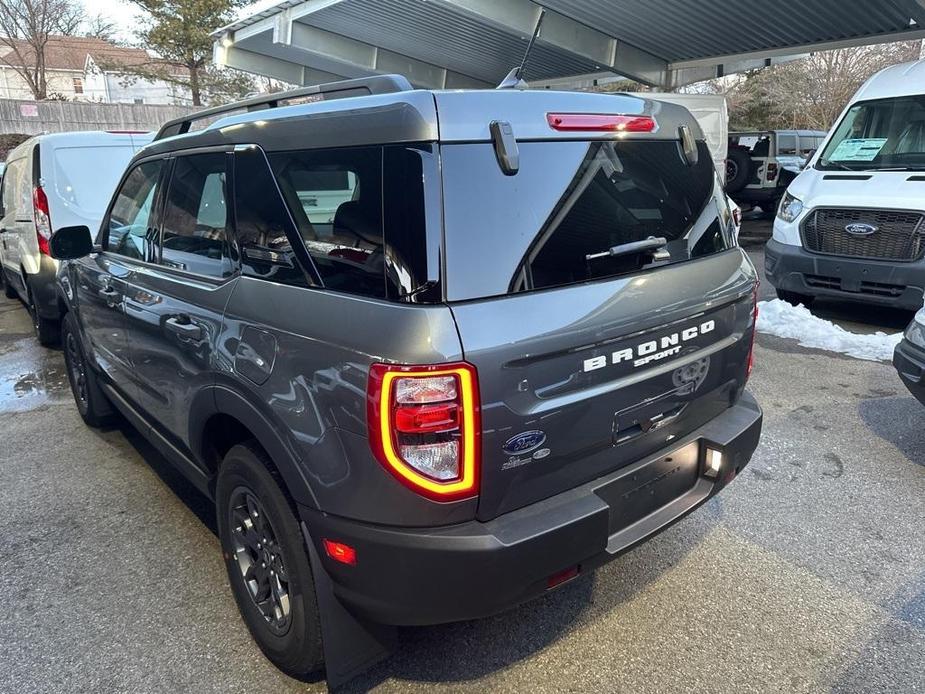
{"type": "Point", "coordinates": [184, 327]}
{"type": "Point", "coordinates": [109, 293]}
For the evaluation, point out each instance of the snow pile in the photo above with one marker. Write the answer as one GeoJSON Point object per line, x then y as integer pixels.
{"type": "Point", "coordinates": [779, 318]}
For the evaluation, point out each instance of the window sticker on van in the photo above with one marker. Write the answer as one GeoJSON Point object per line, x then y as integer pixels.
{"type": "Point", "coordinates": [860, 149]}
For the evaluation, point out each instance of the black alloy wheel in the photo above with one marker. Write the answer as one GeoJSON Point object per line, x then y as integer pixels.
{"type": "Point", "coordinates": [259, 559]}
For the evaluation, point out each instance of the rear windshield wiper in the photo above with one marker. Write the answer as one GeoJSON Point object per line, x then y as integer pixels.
{"type": "Point", "coordinates": [654, 246]}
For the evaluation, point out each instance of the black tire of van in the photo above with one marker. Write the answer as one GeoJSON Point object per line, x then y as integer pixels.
{"type": "Point", "coordinates": [738, 168]}
{"type": "Point", "coordinates": [294, 646]}
{"type": "Point", "coordinates": [9, 291]}
{"type": "Point", "coordinates": [92, 404]}
{"type": "Point", "coordinates": [794, 298]}
{"type": "Point", "coordinates": [48, 331]}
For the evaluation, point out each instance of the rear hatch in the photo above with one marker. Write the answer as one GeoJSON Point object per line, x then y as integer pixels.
{"type": "Point", "coordinates": [586, 365]}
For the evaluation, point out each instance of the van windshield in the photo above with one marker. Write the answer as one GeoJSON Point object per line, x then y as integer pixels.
{"type": "Point", "coordinates": [553, 223]}
{"type": "Point", "coordinates": [879, 135]}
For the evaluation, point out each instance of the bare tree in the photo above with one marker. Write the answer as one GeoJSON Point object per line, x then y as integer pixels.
{"type": "Point", "coordinates": [810, 92]}
{"type": "Point", "coordinates": [25, 27]}
{"type": "Point", "coordinates": [98, 27]}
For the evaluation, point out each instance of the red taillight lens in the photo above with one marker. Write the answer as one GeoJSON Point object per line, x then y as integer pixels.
{"type": "Point", "coordinates": [737, 216]}
{"type": "Point", "coordinates": [600, 122]}
{"type": "Point", "coordinates": [772, 171]}
{"type": "Point", "coordinates": [424, 426]}
{"type": "Point", "coordinates": [751, 346]}
{"type": "Point", "coordinates": [42, 219]}
{"type": "Point", "coordinates": [338, 551]}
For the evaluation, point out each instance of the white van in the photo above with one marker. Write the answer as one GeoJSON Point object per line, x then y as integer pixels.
{"type": "Point", "coordinates": [852, 224]}
{"type": "Point", "coordinates": [54, 181]}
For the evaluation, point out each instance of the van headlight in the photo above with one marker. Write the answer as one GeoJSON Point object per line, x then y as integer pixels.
{"type": "Point", "coordinates": [790, 207]}
{"type": "Point", "coordinates": [915, 333]}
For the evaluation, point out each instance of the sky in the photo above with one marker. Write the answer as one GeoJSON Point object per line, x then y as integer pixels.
{"type": "Point", "coordinates": [123, 13]}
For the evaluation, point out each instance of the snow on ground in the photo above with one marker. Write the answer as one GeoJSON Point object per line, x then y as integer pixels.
{"type": "Point", "coordinates": [779, 318]}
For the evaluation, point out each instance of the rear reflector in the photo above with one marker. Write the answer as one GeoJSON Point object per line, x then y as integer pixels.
{"type": "Point", "coordinates": [557, 579]}
{"type": "Point", "coordinates": [338, 551]}
{"type": "Point", "coordinates": [599, 122]}
{"type": "Point", "coordinates": [751, 346]}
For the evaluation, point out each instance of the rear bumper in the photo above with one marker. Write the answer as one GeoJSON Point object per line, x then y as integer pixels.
{"type": "Point", "coordinates": [793, 268]}
{"type": "Point", "coordinates": [909, 361]}
{"type": "Point", "coordinates": [415, 576]}
{"type": "Point", "coordinates": [758, 195]}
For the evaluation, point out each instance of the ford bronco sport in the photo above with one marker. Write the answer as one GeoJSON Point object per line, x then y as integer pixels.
{"type": "Point", "coordinates": [517, 348]}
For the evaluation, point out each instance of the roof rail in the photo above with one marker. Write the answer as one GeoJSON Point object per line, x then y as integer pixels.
{"type": "Point", "coordinates": [364, 86]}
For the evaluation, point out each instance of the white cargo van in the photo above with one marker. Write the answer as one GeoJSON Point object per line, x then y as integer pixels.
{"type": "Point", "coordinates": [852, 224]}
{"type": "Point", "coordinates": [54, 181]}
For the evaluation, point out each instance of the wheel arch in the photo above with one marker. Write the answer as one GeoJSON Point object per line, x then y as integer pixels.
{"type": "Point", "coordinates": [231, 420]}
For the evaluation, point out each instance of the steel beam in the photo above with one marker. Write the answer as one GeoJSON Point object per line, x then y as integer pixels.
{"type": "Point", "coordinates": [563, 33]}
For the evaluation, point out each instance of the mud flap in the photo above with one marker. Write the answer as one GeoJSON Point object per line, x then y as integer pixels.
{"type": "Point", "coordinates": [351, 646]}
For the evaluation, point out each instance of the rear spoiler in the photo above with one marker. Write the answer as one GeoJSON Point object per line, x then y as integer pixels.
{"type": "Point", "coordinates": [364, 86]}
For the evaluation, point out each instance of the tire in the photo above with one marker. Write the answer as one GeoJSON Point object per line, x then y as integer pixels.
{"type": "Point", "coordinates": [92, 404]}
{"type": "Point", "coordinates": [48, 331]}
{"type": "Point", "coordinates": [249, 496]}
{"type": "Point", "coordinates": [738, 168]}
{"type": "Point", "coordinates": [794, 298]}
{"type": "Point", "coordinates": [9, 291]}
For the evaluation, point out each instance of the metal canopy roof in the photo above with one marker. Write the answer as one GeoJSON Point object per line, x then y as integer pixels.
{"type": "Point", "coordinates": [474, 43]}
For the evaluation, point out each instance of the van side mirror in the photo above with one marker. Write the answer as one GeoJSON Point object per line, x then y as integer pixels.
{"type": "Point", "coordinates": [70, 243]}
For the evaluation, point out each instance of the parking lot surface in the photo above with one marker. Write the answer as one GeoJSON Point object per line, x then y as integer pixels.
{"type": "Point", "coordinates": [806, 575]}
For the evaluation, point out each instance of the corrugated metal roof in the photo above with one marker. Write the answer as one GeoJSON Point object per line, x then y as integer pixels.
{"type": "Point", "coordinates": [685, 30]}
{"type": "Point", "coordinates": [436, 34]}
{"type": "Point", "coordinates": [443, 34]}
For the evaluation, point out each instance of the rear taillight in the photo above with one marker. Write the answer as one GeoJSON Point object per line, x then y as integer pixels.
{"type": "Point", "coordinates": [737, 216]}
{"type": "Point", "coordinates": [599, 122]}
{"type": "Point", "coordinates": [42, 219]}
{"type": "Point", "coordinates": [772, 171]}
{"type": "Point", "coordinates": [751, 346]}
{"type": "Point", "coordinates": [424, 426]}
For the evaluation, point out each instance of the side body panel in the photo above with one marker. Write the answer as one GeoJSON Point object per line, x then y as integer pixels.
{"type": "Point", "coordinates": [314, 393]}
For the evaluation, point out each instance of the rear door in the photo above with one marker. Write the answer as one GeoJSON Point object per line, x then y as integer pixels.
{"type": "Point", "coordinates": [585, 363]}
{"type": "Point", "coordinates": [174, 302]}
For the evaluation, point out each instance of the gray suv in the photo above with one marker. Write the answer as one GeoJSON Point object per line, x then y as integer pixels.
{"type": "Point", "coordinates": [516, 347]}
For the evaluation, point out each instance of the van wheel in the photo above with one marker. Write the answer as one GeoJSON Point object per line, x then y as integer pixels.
{"type": "Point", "coordinates": [92, 404]}
{"type": "Point", "coordinates": [267, 562]}
{"type": "Point", "coordinates": [794, 298]}
{"type": "Point", "coordinates": [48, 331]}
{"type": "Point", "coordinates": [9, 291]}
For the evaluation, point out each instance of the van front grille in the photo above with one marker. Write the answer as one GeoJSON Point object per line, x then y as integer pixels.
{"type": "Point", "coordinates": [897, 235]}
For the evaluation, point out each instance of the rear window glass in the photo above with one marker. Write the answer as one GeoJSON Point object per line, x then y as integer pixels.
{"type": "Point", "coordinates": [569, 201]}
{"type": "Point", "coordinates": [85, 177]}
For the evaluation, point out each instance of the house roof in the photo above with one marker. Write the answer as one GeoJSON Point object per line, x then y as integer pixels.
{"type": "Point", "coordinates": [71, 52]}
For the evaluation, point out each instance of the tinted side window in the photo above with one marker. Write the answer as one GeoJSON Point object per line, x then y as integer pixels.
{"type": "Point", "coordinates": [263, 222]}
{"type": "Point", "coordinates": [787, 144]}
{"type": "Point", "coordinates": [194, 233]}
{"type": "Point", "coordinates": [131, 229]}
{"type": "Point", "coordinates": [348, 250]}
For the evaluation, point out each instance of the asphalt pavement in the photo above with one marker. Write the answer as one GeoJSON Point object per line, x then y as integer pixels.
{"type": "Point", "coordinates": [807, 574]}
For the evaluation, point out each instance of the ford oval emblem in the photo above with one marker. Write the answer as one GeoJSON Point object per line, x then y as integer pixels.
{"type": "Point", "coordinates": [524, 442]}
{"type": "Point", "coordinates": [861, 229]}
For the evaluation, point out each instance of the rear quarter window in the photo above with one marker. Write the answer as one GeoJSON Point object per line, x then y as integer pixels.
{"type": "Point", "coordinates": [534, 230]}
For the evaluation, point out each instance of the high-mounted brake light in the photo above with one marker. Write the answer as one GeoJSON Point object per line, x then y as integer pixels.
{"type": "Point", "coordinates": [42, 219]}
{"type": "Point", "coordinates": [424, 426]}
{"type": "Point", "coordinates": [600, 122]}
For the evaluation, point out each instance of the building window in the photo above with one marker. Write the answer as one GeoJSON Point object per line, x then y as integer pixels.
{"type": "Point", "coordinates": [78, 85]}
